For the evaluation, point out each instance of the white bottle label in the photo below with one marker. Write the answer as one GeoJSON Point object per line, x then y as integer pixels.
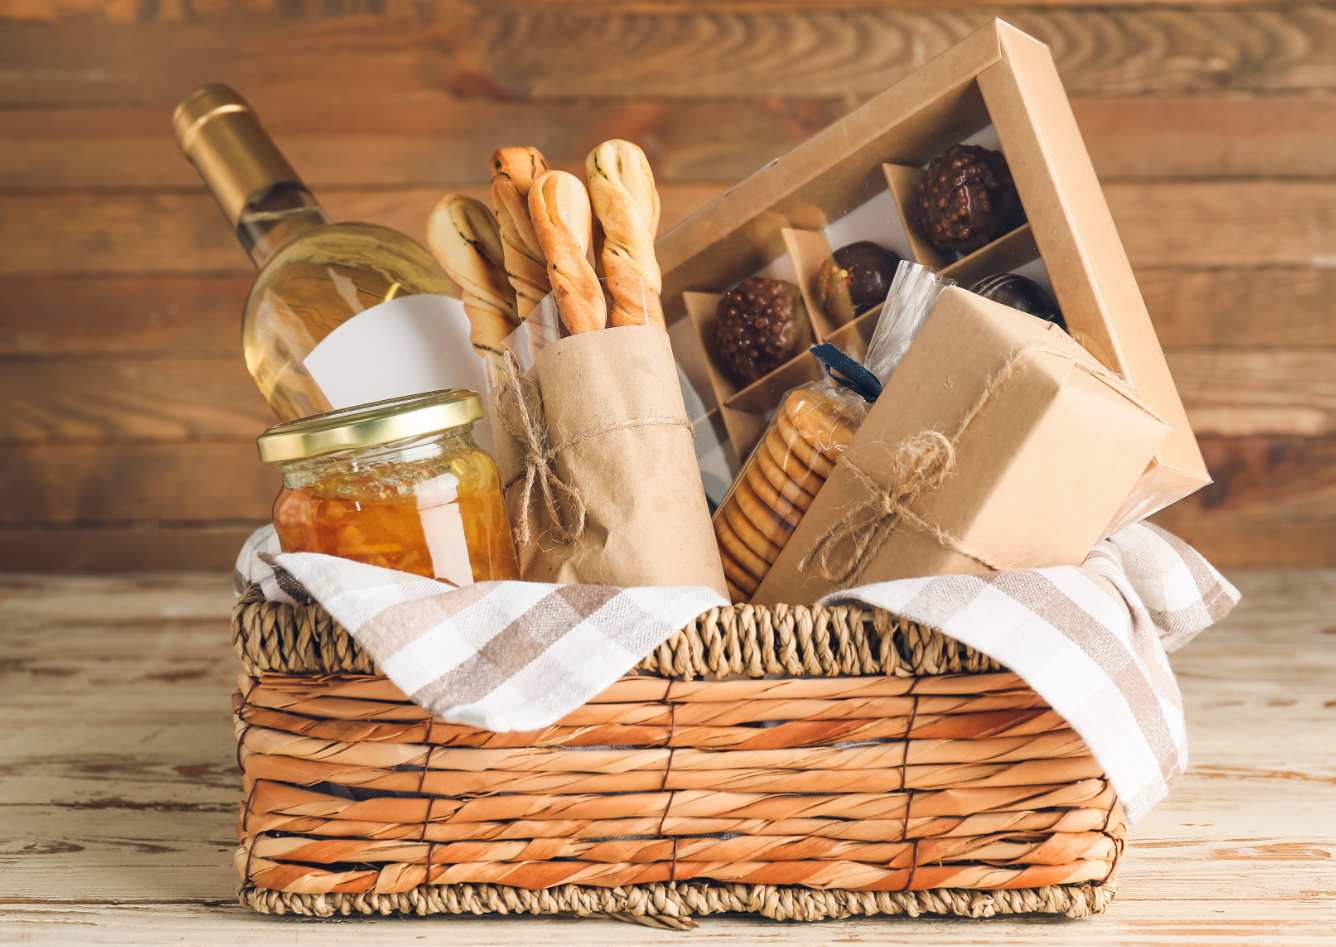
{"type": "Point", "coordinates": [400, 347]}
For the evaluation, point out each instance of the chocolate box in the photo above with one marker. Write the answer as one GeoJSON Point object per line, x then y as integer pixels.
{"type": "Point", "coordinates": [853, 181]}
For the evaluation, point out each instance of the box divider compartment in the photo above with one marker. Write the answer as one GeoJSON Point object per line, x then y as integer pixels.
{"type": "Point", "coordinates": [853, 337]}
{"type": "Point", "coordinates": [1009, 252]}
{"type": "Point", "coordinates": [902, 179]}
{"type": "Point", "coordinates": [807, 249]}
{"type": "Point", "coordinates": [701, 309]}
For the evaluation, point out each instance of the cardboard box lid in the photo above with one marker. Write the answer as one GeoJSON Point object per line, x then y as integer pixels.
{"type": "Point", "coordinates": [1083, 254]}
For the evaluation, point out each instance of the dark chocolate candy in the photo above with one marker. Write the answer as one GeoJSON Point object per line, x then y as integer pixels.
{"type": "Point", "coordinates": [1021, 293]}
{"type": "Point", "coordinates": [757, 328]}
{"type": "Point", "coordinates": [854, 278]}
{"type": "Point", "coordinates": [966, 198]}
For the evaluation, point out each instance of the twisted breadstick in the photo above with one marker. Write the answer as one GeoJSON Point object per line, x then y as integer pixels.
{"type": "Point", "coordinates": [621, 186]}
{"type": "Point", "coordinates": [463, 236]}
{"type": "Point", "coordinates": [513, 173]}
{"type": "Point", "coordinates": [562, 222]}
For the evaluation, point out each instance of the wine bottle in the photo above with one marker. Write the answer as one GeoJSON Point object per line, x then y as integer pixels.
{"type": "Point", "coordinates": [341, 313]}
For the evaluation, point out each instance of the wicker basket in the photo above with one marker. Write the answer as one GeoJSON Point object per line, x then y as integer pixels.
{"type": "Point", "coordinates": [795, 763]}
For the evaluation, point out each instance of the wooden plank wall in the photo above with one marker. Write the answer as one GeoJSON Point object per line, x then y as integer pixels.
{"type": "Point", "coordinates": [126, 416]}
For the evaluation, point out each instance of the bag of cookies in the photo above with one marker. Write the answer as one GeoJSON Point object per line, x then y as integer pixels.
{"type": "Point", "coordinates": [812, 427]}
{"type": "Point", "coordinates": [592, 436]}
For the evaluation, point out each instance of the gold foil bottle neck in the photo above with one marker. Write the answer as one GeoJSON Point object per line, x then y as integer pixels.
{"type": "Point", "coordinates": [222, 137]}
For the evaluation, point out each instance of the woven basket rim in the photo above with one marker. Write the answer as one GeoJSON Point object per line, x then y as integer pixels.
{"type": "Point", "coordinates": [676, 905]}
{"type": "Point", "coordinates": [729, 641]}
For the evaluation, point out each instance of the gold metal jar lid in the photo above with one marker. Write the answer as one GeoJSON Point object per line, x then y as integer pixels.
{"type": "Point", "coordinates": [369, 425]}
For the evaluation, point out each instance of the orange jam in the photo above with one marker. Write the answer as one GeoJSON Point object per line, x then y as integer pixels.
{"type": "Point", "coordinates": [429, 503]}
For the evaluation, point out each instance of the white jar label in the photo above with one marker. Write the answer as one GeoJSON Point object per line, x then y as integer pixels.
{"type": "Point", "coordinates": [443, 528]}
{"type": "Point", "coordinates": [400, 347]}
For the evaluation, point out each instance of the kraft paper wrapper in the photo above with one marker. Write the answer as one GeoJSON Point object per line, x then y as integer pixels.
{"type": "Point", "coordinates": [647, 521]}
{"type": "Point", "coordinates": [1039, 473]}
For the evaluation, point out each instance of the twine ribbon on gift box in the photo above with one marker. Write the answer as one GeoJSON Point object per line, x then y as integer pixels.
{"type": "Point", "coordinates": [520, 409]}
{"type": "Point", "coordinates": [921, 462]}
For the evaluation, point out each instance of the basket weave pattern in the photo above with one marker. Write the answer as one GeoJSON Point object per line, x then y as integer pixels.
{"type": "Point", "coordinates": [797, 763]}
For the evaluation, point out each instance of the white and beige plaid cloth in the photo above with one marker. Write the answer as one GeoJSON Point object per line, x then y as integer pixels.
{"type": "Point", "coordinates": [1091, 640]}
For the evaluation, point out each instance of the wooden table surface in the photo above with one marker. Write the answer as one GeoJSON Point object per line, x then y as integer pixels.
{"type": "Point", "coordinates": [119, 789]}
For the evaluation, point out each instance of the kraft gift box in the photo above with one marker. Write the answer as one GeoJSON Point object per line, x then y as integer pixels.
{"type": "Point", "coordinates": [998, 443]}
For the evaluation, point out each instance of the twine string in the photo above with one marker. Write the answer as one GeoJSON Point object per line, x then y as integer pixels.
{"type": "Point", "coordinates": [904, 785]}
{"type": "Point", "coordinates": [250, 800]}
{"type": "Point", "coordinates": [521, 413]}
{"type": "Point", "coordinates": [426, 807]}
{"type": "Point", "coordinates": [1108, 819]}
{"type": "Point", "coordinates": [246, 724]}
{"type": "Point", "coordinates": [245, 822]}
{"type": "Point", "coordinates": [248, 805]}
{"type": "Point", "coordinates": [920, 463]}
{"type": "Point", "coordinates": [672, 793]}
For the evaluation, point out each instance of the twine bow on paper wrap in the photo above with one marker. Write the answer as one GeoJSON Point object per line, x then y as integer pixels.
{"type": "Point", "coordinates": [520, 408]}
{"type": "Point", "coordinates": [919, 463]}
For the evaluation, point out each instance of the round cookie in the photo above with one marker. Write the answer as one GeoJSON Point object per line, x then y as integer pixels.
{"type": "Point", "coordinates": [791, 442]}
{"type": "Point", "coordinates": [790, 465]}
{"type": "Point", "coordinates": [766, 523]}
{"type": "Point", "coordinates": [821, 419]}
{"type": "Point", "coordinates": [779, 480]}
{"type": "Point", "coordinates": [756, 541]}
{"type": "Point", "coordinates": [737, 576]}
{"type": "Point", "coordinates": [730, 543]}
{"type": "Point", "coordinates": [768, 495]}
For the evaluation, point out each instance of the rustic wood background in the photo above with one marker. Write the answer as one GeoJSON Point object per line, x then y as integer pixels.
{"type": "Point", "coordinates": [127, 417]}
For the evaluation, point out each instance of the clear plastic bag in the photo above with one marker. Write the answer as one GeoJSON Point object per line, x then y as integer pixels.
{"type": "Point", "coordinates": [913, 293]}
{"type": "Point", "coordinates": [811, 428]}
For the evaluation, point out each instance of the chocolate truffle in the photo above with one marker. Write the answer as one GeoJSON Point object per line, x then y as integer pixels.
{"type": "Point", "coordinates": [756, 327]}
{"type": "Point", "coordinates": [1021, 293]}
{"type": "Point", "coordinates": [966, 198]}
{"type": "Point", "coordinates": [853, 278]}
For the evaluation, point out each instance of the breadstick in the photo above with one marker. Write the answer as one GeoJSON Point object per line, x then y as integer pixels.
{"type": "Point", "coordinates": [463, 236]}
{"type": "Point", "coordinates": [513, 173]}
{"type": "Point", "coordinates": [562, 222]}
{"type": "Point", "coordinates": [621, 187]}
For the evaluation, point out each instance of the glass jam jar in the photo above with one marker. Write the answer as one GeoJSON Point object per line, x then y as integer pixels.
{"type": "Point", "coordinates": [399, 484]}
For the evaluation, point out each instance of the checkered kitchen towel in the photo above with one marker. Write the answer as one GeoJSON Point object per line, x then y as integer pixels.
{"type": "Point", "coordinates": [1091, 639]}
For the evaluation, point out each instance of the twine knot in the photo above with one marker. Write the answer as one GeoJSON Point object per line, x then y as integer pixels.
{"type": "Point", "coordinates": [921, 462]}
{"type": "Point", "coordinates": [520, 408]}
{"type": "Point", "coordinates": [520, 411]}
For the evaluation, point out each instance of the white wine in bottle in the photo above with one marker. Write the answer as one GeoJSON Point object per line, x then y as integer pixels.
{"type": "Point", "coordinates": [341, 313]}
